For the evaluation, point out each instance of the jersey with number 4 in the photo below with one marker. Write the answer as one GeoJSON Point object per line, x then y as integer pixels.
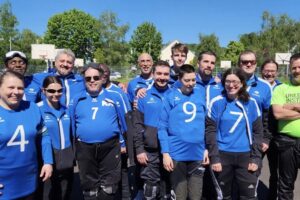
{"type": "Point", "coordinates": [182, 125]}
{"type": "Point", "coordinates": [18, 152]}
{"type": "Point", "coordinates": [99, 118]}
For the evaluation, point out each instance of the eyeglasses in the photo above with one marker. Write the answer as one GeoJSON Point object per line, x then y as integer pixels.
{"type": "Point", "coordinates": [245, 62]}
{"type": "Point", "coordinates": [228, 82]}
{"type": "Point", "coordinates": [52, 91]}
{"type": "Point", "coordinates": [89, 78]}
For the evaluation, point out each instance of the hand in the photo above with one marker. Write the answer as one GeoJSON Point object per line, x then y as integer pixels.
{"type": "Point", "coordinates": [1, 187]}
{"type": "Point", "coordinates": [141, 92]}
{"type": "Point", "coordinates": [168, 162]}
{"type": "Point", "coordinates": [123, 87]}
{"type": "Point", "coordinates": [217, 167]}
{"type": "Point", "coordinates": [264, 147]}
{"type": "Point", "coordinates": [205, 158]}
{"type": "Point", "coordinates": [252, 167]}
{"type": "Point", "coordinates": [123, 150]}
{"type": "Point", "coordinates": [46, 172]}
{"type": "Point", "coordinates": [142, 158]}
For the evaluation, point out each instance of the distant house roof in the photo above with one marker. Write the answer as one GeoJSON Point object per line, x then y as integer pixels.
{"type": "Point", "coordinates": [166, 53]}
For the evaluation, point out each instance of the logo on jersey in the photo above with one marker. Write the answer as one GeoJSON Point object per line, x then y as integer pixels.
{"type": "Point", "coordinates": [1, 119]}
{"type": "Point", "coordinates": [256, 93]}
{"type": "Point", "coordinates": [176, 98]}
{"type": "Point", "coordinates": [151, 100]}
{"type": "Point", "coordinates": [94, 100]}
{"type": "Point", "coordinates": [106, 103]}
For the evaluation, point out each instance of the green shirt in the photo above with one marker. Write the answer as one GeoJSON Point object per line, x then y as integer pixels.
{"type": "Point", "coordinates": [285, 94]}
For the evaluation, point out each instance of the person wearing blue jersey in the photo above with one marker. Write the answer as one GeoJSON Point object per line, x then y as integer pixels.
{"type": "Point", "coordinates": [181, 136]}
{"type": "Point", "coordinates": [18, 62]}
{"type": "Point", "coordinates": [58, 123]}
{"type": "Point", "coordinates": [233, 137]}
{"type": "Point", "coordinates": [21, 125]}
{"type": "Point", "coordinates": [124, 188]}
{"type": "Point", "coordinates": [144, 80]}
{"type": "Point", "coordinates": [179, 53]}
{"type": "Point", "coordinates": [269, 72]}
{"type": "Point", "coordinates": [72, 83]}
{"type": "Point", "coordinates": [97, 125]}
{"type": "Point", "coordinates": [146, 119]}
{"type": "Point", "coordinates": [258, 89]}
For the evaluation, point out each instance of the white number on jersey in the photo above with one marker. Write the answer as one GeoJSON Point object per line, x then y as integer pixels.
{"type": "Point", "coordinates": [192, 112]}
{"type": "Point", "coordinates": [95, 109]}
{"type": "Point", "coordinates": [237, 121]}
{"type": "Point", "coordinates": [22, 142]}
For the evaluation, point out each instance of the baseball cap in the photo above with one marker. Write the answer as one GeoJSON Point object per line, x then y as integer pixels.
{"type": "Point", "coordinates": [11, 54]}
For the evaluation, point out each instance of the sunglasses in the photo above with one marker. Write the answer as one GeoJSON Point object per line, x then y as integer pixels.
{"type": "Point", "coordinates": [245, 62]}
{"type": "Point", "coordinates": [52, 91]}
{"type": "Point", "coordinates": [89, 78]}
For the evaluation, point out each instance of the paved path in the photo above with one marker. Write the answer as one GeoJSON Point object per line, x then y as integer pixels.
{"type": "Point", "coordinates": [262, 188]}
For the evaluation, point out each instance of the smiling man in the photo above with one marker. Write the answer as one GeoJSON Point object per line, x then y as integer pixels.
{"type": "Point", "coordinates": [286, 109]}
{"type": "Point", "coordinates": [145, 138]}
{"type": "Point", "coordinates": [97, 125]}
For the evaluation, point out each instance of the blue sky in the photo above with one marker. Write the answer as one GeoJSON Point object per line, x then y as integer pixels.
{"type": "Point", "coordinates": [175, 19]}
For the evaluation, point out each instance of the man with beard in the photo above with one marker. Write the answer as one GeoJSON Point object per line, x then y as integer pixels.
{"type": "Point", "coordinates": [286, 109]}
{"type": "Point", "coordinates": [18, 62]}
{"type": "Point", "coordinates": [179, 56]}
{"type": "Point", "coordinates": [258, 89]}
{"type": "Point", "coordinates": [146, 144]}
{"type": "Point", "coordinates": [145, 62]}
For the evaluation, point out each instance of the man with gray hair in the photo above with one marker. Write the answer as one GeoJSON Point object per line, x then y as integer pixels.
{"type": "Point", "coordinates": [72, 83]}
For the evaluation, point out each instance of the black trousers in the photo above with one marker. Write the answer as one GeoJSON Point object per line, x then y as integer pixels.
{"type": "Point", "coordinates": [59, 186]}
{"type": "Point", "coordinates": [99, 166]}
{"type": "Point", "coordinates": [235, 168]}
{"type": "Point", "coordinates": [272, 155]}
{"type": "Point", "coordinates": [187, 179]}
{"type": "Point", "coordinates": [289, 160]}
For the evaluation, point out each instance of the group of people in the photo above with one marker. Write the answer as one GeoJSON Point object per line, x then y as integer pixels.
{"type": "Point", "coordinates": [178, 128]}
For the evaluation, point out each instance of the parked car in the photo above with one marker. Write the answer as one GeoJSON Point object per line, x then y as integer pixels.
{"type": "Point", "coordinates": [115, 75]}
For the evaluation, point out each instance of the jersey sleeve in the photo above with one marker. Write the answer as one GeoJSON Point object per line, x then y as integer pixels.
{"type": "Point", "coordinates": [163, 126]}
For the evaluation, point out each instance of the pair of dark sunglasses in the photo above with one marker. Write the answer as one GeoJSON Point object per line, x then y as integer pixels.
{"type": "Point", "coordinates": [89, 78]}
{"type": "Point", "coordinates": [245, 62]}
{"type": "Point", "coordinates": [52, 91]}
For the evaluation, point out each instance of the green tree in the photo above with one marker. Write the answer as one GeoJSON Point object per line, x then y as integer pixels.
{"type": "Point", "coordinates": [114, 50]}
{"type": "Point", "coordinates": [25, 39]}
{"type": "Point", "coordinates": [8, 31]}
{"type": "Point", "coordinates": [233, 51]}
{"type": "Point", "coordinates": [75, 30]}
{"type": "Point", "coordinates": [209, 43]}
{"type": "Point", "coordinates": [145, 39]}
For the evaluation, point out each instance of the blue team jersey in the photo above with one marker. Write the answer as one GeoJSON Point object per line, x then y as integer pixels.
{"type": "Point", "coordinates": [182, 125]}
{"type": "Point", "coordinates": [73, 84]}
{"type": "Point", "coordinates": [18, 151]}
{"type": "Point", "coordinates": [261, 91]}
{"type": "Point", "coordinates": [234, 121]}
{"type": "Point", "coordinates": [151, 105]}
{"type": "Point", "coordinates": [32, 90]}
{"type": "Point", "coordinates": [58, 123]}
{"type": "Point", "coordinates": [135, 84]}
{"type": "Point", "coordinates": [97, 119]}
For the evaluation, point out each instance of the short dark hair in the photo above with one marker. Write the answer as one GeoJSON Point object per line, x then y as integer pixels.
{"type": "Point", "coordinates": [200, 56]}
{"type": "Point", "coordinates": [243, 95]}
{"type": "Point", "coordinates": [179, 47]}
{"type": "Point", "coordinates": [11, 73]}
{"type": "Point", "coordinates": [269, 60]}
{"type": "Point", "coordinates": [244, 53]}
{"type": "Point", "coordinates": [51, 79]}
{"type": "Point", "coordinates": [185, 69]}
{"type": "Point", "coordinates": [294, 57]}
{"type": "Point", "coordinates": [92, 65]}
{"type": "Point", "coordinates": [160, 63]}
